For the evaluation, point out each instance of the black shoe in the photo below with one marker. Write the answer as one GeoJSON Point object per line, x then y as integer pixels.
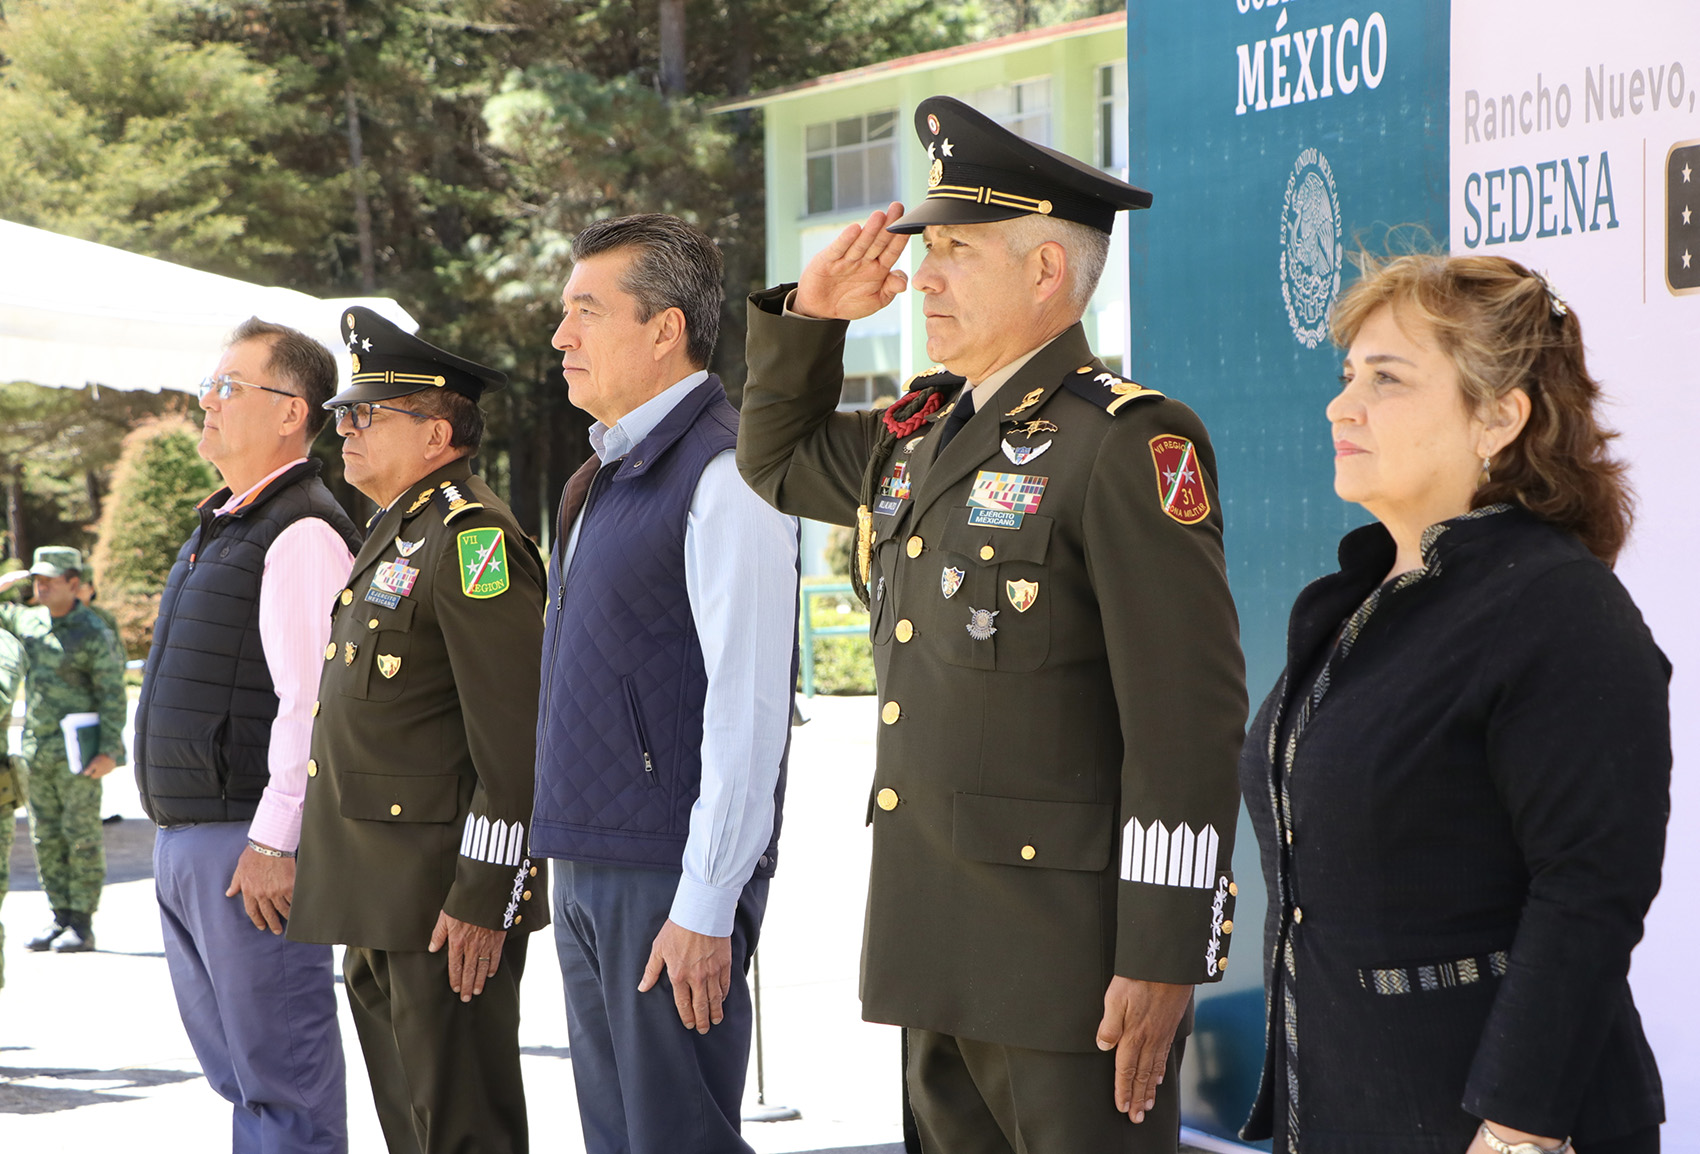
{"type": "Point", "coordinates": [45, 939]}
{"type": "Point", "coordinates": [78, 937]}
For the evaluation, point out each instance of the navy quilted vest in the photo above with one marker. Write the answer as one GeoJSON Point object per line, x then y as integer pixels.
{"type": "Point", "coordinates": [619, 725]}
{"type": "Point", "coordinates": [204, 718]}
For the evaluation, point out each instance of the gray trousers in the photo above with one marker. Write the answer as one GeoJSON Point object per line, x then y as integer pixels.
{"type": "Point", "coordinates": [259, 1009]}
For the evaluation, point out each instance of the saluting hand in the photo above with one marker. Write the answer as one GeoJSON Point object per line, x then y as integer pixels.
{"type": "Point", "coordinates": [699, 968]}
{"type": "Point", "coordinates": [852, 277]}
{"type": "Point", "coordinates": [1140, 1019]}
{"type": "Point", "coordinates": [475, 953]}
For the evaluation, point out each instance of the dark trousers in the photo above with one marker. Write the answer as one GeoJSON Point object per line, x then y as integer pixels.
{"type": "Point", "coordinates": [983, 1098]}
{"type": "Point", "coordinates": [647, 1085]}
{"type": "Point", "coordinates": [259, 1009]}
{"type": "Point", "coordinates": [445, 1073]}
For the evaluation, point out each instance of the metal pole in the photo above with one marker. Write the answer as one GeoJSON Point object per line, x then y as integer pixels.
{"type": "Point", "coordinates": [761, 1111]}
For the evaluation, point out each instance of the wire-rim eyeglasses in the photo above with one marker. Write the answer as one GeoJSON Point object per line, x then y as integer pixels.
{"type": "Point", "coordinates": [359, 414]}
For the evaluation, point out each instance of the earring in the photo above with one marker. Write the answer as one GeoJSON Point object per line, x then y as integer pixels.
{"type": "Point", "coordinates": [1487, 475]}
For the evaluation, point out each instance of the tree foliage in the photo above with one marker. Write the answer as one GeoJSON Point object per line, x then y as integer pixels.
{"type": "Point", "coordinates": [151, 511]}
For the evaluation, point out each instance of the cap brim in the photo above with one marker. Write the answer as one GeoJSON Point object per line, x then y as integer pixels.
{"type": "Point", "coordinates": [943, 210]}
{"type": "Point", "coordinates": [355, 394]}
{"type": "Point", "coordinates": [44, 570]}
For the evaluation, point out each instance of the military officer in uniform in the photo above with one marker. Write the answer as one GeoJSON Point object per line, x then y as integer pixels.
{"type": "Point", "coordinates": [414, 837]}
{"type": "Point", "coordinates": [1062, 693]}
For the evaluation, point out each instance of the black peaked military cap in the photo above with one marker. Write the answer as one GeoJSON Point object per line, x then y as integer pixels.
{"type": "Point", "coordinates": [980, 171]}
{"type": "Point", "coordinates": [390, 362]}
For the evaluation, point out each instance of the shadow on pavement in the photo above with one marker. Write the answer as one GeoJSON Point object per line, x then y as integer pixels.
{"type": "Point", "coordinates": [33, 1099]}
{"type": "Point", "coordinates": [129, 852]}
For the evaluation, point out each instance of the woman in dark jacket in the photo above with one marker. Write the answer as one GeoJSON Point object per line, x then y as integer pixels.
{"type": "Point", "coordinates": [1461, 782]}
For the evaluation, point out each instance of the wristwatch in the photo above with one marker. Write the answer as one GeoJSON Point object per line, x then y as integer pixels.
{"type": "Point", "coordinates": [1500, 1146]}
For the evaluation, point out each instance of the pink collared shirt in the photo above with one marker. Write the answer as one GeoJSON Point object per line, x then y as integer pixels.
{"type": "Point", "coordinates": [305, 569]}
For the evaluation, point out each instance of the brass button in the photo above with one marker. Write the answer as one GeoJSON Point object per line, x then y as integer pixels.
{"type": "Point", "coordinates": [1028, 853]}
{"type": "Point", "coordinates": [1233, 889]}
{"type": "Point", "coordinates": [891, 712]}
{"type": "Point", "coordinates": [987, 552]}
{"type": "Point", "coordinates": [312, 768]}
{"type": "Point", "coordinates": [914, 547]}
{"type": "Point", "coordinates": [330, 651]}
{"type": "Point", "coordinates": [315, 709]}
{"type": "Point", "coordinates": [518, 918]}
{"type": "Point", "coordinates": [1289, 837]}
{"type": "Point", "coordinates": [886, 799]}
{"type": "Point", "coordinates": [1228, 927]}
{"type": "Point", "coordinates": [395, 811]}
{"type": "Point", "coordinates": [1221, 963]}
{"type": "Point", "coordinates": [1298, 915]}
{"type": "Point", "coordinates": [533, 871]}
{"type": "Point", "coordinates": [526, 896]}
{"type": "Point", "coordinates": [372, 624]}
{"type": "Point", "coordinates": [346, 596]}
{"type": "Point", "coordinates": [905, 629]}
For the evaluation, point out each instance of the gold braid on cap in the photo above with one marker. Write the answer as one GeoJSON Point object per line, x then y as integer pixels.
{"type": "Point", "coordinates": [981, 195]}
{"type": "Point", "coordinates": [391, 377]}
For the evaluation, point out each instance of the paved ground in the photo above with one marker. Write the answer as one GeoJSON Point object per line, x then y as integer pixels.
{"type": "Point", "coordinates": [91, 1048]}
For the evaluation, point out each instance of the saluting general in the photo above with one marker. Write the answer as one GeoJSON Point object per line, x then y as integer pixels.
{"type": "Point", "coordinates": [413, 844]}
{"type": "Point", "coordinates": [1062, 694]}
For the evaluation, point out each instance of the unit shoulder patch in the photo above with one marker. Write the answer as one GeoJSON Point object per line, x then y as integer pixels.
{"type": "Point", "coordinates": [1180, 480]}
{"type": "Point", "coordinates": [483, 557]}
{"type": "Point", "coordinates": [1105, 389]}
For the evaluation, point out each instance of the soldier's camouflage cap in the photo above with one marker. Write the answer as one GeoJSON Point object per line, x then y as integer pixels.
{"type": "Point", "coordinates": [56, 561]}
{"type": "Point", "coordinates": [391, 362]}
{"type": "Point", "coordinates": [980, 171]}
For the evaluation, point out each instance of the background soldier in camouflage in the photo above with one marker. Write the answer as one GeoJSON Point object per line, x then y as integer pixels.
{"type": "Point", "coordinates": [11, 774]}
{"type": "Point", "coordinates": [74, 666]}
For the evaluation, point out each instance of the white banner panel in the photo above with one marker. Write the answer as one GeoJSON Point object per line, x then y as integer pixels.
{"type": "Point", "coordinates": [1574, 136]}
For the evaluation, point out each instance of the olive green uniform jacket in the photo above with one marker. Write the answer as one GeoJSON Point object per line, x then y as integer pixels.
{"type": "Point", "coordinates": [1024, 776]}
{"type": "Point", "coordinates": [75, 666]}
{"type": "Point", "coordinates": [420, 781]}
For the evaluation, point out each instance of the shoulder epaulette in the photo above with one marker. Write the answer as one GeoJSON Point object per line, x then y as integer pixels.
{"type": "Point", "coordinates": [451, 502]}
{"type": "Point", "coordinates": [1106, 390]}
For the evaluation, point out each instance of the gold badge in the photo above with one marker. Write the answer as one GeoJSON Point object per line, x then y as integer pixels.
{"type": "Point", "coordinates": [355, 357]}
{"type": "Point", "coordinates": [1027, 402]}
{"type": "Point", "coordinates": [348, 652]}
{"type": "Point", "coordinates": [388, 665]}
{"type": "Point", "coordinates": [1021, 595]}
{"type": "Point", "coordinates": [419, 502]}
{"type": "Point", "coordinates": [935, 174]}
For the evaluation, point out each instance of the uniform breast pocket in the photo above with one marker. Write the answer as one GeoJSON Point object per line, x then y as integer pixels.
{"type": "Point", "coordinates": [997, 617]}
{"type": "Point", "coordinates": [379, 669]}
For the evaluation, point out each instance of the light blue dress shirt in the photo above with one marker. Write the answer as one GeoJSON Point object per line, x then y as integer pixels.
{"type": "Point", "coordinates": [741, 578]}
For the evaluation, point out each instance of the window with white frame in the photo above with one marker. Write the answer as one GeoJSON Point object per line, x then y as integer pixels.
{"type": "Point", "coordinates": [852, 162]}
{"type": "Point", "coordinates": [863, 392]}
{"type": "Point", "coordinates": [1023, 107]}
{"type": "Point", "coordinates": [1112, 117]}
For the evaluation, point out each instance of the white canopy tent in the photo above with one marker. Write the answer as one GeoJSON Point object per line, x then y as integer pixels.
{"type": "Point", "coordinates": [74, 313]}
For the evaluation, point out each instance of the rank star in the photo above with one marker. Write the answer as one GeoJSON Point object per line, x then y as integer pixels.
{"type": "Point", "coordinates": [1686, 171]}
{"type": "Point", "coordinates": [367, 345]}
{"type": "Point", "coordinates": [1169, 476]}
{"type": "Point", "coordinates": [946, 147]}
{"type": "Point", "coordinates": [930, 147]}
{"type": "Point", "coordinates": [1686, 258]}
{"type": "Point", "coordinates": [1686, 213]}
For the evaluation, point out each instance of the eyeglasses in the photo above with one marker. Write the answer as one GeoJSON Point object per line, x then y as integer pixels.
{"type": "Point", "coordinates": [227, 384]}
{"type": "Point", "coordinates": [360, 415]}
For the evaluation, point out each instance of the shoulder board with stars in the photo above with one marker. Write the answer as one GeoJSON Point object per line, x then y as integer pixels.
{"type": "Point", "coordinates": [1106, 390]}
{"type": "Point", "coordinates": [451, 502]}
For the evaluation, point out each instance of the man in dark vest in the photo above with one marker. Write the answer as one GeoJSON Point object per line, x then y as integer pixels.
{"type": "Point", "coordinates": [413, 848]}
{"type": "Point", "coordinates": [669, 657]}
{"type": "Point", "coordinates": [222, 732]}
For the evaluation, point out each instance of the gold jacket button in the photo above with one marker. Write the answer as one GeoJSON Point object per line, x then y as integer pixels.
{"type": "Point", "coordinates": [533, 871]}
{"type": "Point", "coordinates": [1298, 915]}
{"type": "Point", "coordinates": [1028, 853]}
{"type": "Point", "coordinates": [886, 799]}
{"type": "Point", "coordinates": [987, 552]}
{"type": "Point", "coordinates": [330, 651]}
{"type": "Point", "coordinates": [1228, 927]}
{"type": "Point", "coordinates": [395, 811]}
{"type": "Point", "coordinates": [905, 629]}
{"type": "Point", "coordinates": [312, 768]}
{"type": "Point", "coordinates": [1233, 889]}
{"type": "Point", "coordinates": [891, 712]}
{"type": "Point", "coordinates": [315, 709]}
{"type": "Point", "coordinates": [518, 918]}
{"type": "Point", "coordinates": [914, 547]}
{"type": "Point", "coordinates": [1289, 837]}
{"type": "Point", "coordinates": [372, 624]}
{"type": "Point", "coordinates": [1221, 963]}
{"type": "Point", "coordinates": [346, 596]}
{"type": "Point", "coordinates": [526, 896]}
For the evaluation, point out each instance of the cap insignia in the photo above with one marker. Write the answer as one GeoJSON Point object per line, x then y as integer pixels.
{"type": "Point", "coordinates": [355, 357]}
{"type": "Point", "coordinates": [935, 174]}
{"type": "Point", "coordinates": [932, 124]}
{"type": "Point", "coordinates": [946, 147]}
{"type": "Point", "coordinates": [350, 319]}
